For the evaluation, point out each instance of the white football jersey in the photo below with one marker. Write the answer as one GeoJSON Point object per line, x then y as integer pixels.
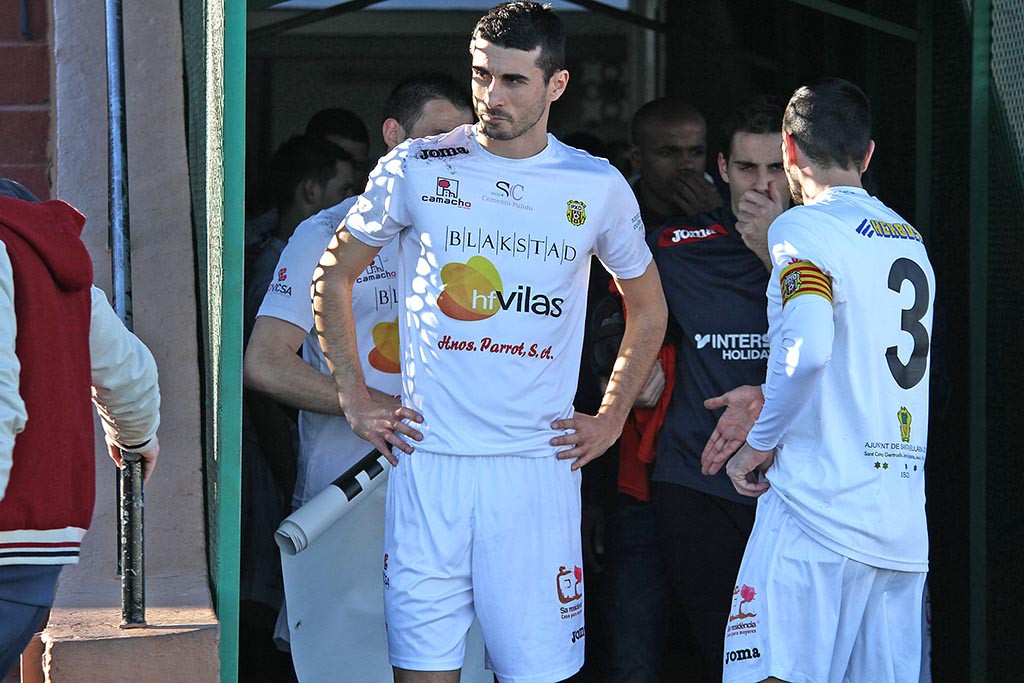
{"type": "Point", "coordinates": [327, 444]}
{"type": "Point", "coordinates": [851, 455]}
{"type": "Point", "coordinates": [494, 257]}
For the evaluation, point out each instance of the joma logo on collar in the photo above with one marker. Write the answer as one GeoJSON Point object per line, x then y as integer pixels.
{"type": "Point", "coordinates": [439, 152]}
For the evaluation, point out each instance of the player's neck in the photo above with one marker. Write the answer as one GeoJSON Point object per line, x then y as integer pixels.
{"type": "Point", "coordinates": [530, 143]}
{"type": "Point", "coordinates": [812, 186]}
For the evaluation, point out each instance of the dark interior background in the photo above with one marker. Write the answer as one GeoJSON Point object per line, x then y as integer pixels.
{"type": "Point", "coordinates": [716, 53]}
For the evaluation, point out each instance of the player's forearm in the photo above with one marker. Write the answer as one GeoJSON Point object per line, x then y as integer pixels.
{"type": "Point", "coordinates": [335, 326]}
{"type": "Point", "coordinates": [794, 368]}
{"type": "Point", "coordinates": [646, 318]}
{"type": "Point", "coordinates": [289, 380]}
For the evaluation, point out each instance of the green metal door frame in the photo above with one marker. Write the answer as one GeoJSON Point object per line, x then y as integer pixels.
{"type": "Point", "coordinates": [229, 408]}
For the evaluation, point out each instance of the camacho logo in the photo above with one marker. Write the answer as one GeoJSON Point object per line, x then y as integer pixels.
{"type": "Point", "coordinates": [576, 212]}
{"type": "Point", "coordinates": [384, 355]}
{"type": "Point", "coordinates": [446, 191]}
{"type": "Point", "coordinates": [905, 419]}
{"type": "Point", "coordinates": [447, 187]}
{"type": "Point", "coordinates": [473, 291]}
{"type": "Point", "coordinates": [569, 582]}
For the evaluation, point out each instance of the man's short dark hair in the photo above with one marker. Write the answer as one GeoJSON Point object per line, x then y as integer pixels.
{"type": "Point", "coordinates": [301, 158]}
{"type": "Point", "coordinates": [406, 101]}
{"type": "Point", "coordinates": [662, 110]}
{"type": "Point", "coordinates": [759, 115]}
{"type": "Point", "coordinates": [831, 122]}
{"type": "Point", "coordinates": [525, 26]}
{"type": "Point", "coordinates": [338, 122]}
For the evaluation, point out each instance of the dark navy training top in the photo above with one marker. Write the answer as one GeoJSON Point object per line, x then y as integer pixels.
{"type": "Point", "coordinates": [715, 288]}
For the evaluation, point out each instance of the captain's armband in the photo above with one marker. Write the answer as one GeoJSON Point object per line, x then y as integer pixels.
{"type": "Point", "coordinates": [803, 277]}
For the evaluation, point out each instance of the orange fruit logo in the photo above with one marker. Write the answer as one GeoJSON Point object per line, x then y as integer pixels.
{"type": "Point", "coordinates": [384, 356]}
{"type": "Point", "coordinates": [471, 289]}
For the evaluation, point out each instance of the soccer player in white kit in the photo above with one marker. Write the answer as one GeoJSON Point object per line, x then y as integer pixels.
{"type": "Point", "coordinates": [495, 225]}
{"type": "Point", "coordinates": [425, 104]}
{"type": "Point", "coordinates": [831, 581]}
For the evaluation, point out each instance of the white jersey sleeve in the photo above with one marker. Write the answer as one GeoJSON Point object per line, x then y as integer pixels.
{"type": "Point", "coordinates": [382, 211]}
{"type": "Point", "coordinates": [125, 385]}
{"type": "Point", "coordinates": [620, 243]}
{"type": "Point", "coordinates": [801, 265]}
{"type": "Point", "coordinates": [289, 294]}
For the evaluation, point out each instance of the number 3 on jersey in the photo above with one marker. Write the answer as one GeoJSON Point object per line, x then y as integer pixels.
{"type": "Point", "coordinates": [910, 374]}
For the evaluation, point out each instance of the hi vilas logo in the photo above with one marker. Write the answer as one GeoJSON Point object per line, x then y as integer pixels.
{"type": "Point", "coordinates": [473, 291]}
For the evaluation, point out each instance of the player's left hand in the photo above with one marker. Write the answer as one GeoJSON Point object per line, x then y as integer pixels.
{"type": "Point", "coordinates": [755, 214]}
{"type": "Point", "coordinates": [744, 467]}
{"type": "Point", "coordinates": [742, 406]}
{"type": "Point", "coordinates": [591, 436]}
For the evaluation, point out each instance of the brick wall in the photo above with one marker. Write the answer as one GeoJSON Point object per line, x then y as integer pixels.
{"type": "Point", "coordinates": [25, 95]}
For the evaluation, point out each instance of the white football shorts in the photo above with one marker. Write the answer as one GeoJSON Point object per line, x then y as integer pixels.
{"type": "Point", "coordinates": [494, 536]}
{"type": "Point", "coordinates": [805, 614]}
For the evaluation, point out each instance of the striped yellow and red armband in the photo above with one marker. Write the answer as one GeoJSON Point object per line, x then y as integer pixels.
{"type": "Point", "coordinates": [803, 277]}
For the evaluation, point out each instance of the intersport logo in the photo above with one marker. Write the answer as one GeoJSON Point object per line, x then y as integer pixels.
{"type": "Point", "coordinates": [735, 346]}
{"type": "Point", "coordinates": [474, 291]}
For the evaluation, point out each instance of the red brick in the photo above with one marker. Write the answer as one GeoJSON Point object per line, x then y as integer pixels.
{"type": "Point", "coordinates": [24, 134]}
{"type": "Point", "coordinates": [10, 20]}
{"type": "Point", "coordinates": [32, 176]}
{"type": "Point", "coordinates": [25, 77]}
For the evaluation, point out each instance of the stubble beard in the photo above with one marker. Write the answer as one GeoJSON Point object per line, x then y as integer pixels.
{"type": "Point", "coordinates": [516, 128]}
{"type": "Point", "coordinates": [794, 188]}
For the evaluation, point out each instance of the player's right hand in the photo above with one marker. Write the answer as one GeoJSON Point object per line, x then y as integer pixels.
{"type": "Point", "coordinates": [744, 468]}
{"type": "Point", "coordinates": [381, 424]}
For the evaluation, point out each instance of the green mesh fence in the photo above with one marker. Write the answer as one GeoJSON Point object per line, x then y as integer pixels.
{"type": "Point", "coordinates": [1005, 515]}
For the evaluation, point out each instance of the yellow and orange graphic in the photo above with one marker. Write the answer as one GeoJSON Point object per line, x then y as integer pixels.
{"type": "Point", "coordinates": [384, 355]}
{"type": "Point", "coordinates": [469, 289]}
{"type": "Point", "coordinates": [803, 277]}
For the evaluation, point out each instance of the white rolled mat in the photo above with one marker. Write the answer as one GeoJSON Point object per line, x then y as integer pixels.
{"type": "Point", "coordinates": [332, 551]}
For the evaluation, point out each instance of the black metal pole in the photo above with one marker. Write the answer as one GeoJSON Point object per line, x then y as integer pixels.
{"type": "Point", "coordinates": [133, 577]}
{"type": "Point", "coordinates": [129, 477]}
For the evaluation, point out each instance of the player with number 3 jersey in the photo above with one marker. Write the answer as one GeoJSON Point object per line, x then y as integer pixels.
{"type": "Point", "coordinates": [831, 582]}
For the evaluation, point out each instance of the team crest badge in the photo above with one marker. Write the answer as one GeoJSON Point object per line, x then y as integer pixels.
{"type": "Point", "coordinates": [791, 284]}
{"type": "Point", "coordinates": [803, 277]}
{"type": "Point", "coordinates": [576, 212]}
{"type": "Point", "coordinates": [905, 419]}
